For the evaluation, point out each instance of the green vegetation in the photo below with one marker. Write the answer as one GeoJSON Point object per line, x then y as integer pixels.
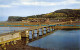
{"type": "Point", "coordinates": [59, 14]}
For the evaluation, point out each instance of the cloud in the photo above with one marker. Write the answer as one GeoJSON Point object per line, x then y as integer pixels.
{"type": "Point", "coordinates": [5, 6]}
{"type": "Point", "coordinates": [25, 0]}
{"type": "Point", "coordinates": [70, 2]}
{"type": "Point", "coordinates": [66, 2]}
{"type": "Point", "coordinates": [37, 3]}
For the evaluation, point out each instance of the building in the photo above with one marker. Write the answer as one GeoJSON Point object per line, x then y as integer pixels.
{"type": "Point", "coordinates": [38, 19]}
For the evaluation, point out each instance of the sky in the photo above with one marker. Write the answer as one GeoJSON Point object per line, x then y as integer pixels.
{"type": "Point", "coordinates": [34, 7]}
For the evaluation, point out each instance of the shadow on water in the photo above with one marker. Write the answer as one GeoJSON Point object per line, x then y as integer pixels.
{"type": "Point", "coordinates": [70, 29]}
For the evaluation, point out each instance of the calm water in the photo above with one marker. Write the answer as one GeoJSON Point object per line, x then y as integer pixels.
{"type": "Point", "coordinates": [9, 29]}
{"type": "Point", "coordinates": [59, 40]}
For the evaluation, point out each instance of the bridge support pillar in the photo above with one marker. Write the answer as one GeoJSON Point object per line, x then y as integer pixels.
{"type": "Point", "coordinates": [48, 29]}
{"type": "Point", "coordinates": [37, 33]}
{"type": "Point", "coordinates": [42, 31]}
{"type": "Point", "coordinates": [45, 30]}
{"type": "Point", "coordinates": [27, 36]}
{"type": "Point", "coordinates": [52, 28]}
{"type": "Point", "coordinates": [32, 35]}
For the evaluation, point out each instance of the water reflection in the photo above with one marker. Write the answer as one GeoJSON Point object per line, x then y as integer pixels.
{"type": "Point", "coordinates": [59, 40]}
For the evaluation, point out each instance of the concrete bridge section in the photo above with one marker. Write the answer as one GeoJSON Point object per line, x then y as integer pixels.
{"type": "Point", "coordinates": [7, 38]}
{"type": "Point", "coordinates": [29, 35]}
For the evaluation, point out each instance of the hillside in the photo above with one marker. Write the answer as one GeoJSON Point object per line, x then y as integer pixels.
{"type": "Point", "coordinates": [58, 14]}
{"type": "Point", "coordinates": [16, 18]}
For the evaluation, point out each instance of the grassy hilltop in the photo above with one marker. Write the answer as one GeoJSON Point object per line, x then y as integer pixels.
{"type": "Point", "coordinates": [58, 14]}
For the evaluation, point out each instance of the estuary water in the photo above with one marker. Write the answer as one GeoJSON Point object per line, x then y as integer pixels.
{"type": "Point", "coordinates": [9, 29]}
{"type": "Point", "coordinates": [59, 40]}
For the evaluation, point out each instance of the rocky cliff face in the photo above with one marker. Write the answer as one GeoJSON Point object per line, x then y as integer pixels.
{"type": "Point", "coordinates": [16, 18]}
{"type": "Point", "coordinates": [13, 18]}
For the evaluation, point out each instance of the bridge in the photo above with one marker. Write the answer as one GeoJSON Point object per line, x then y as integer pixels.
{"type": "Point", "coordinates": [28, 35]}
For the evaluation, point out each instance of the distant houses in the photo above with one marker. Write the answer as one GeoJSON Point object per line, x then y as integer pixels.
{"type": "Point", "coordinates": [45, 20]}
{"type": "Point", "coordinates": [36, 20]}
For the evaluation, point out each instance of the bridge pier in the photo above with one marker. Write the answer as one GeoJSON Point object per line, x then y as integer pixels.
{"type": "Point", "coordinates": [44, 30]}
{"type": "Point", "coordinates": [25, 39]}
{"type": "Point", "coordinates": [25, 36]}
{"type": "Point", "coordinates": [48, 29]}
{"type": "Point", "coordinates": [40, 32]}
{"type": "Point", "coordinates": [52, 28]}
{"type": "Point", "coordinates": [31, 35]}
{"type": "Point", "coordinates": [37, 33]}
